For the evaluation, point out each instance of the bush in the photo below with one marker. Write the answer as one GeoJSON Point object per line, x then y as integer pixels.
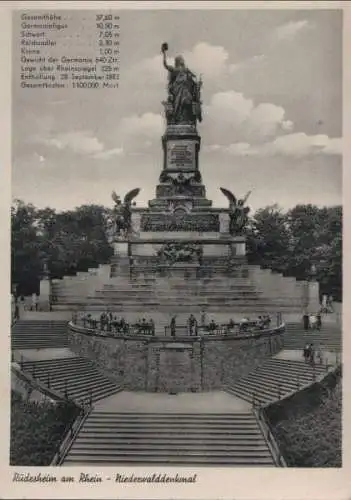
{"type": "Point", "coordinates": [312, 438]}
{"type": "Point", "coordinates": [37, 430]}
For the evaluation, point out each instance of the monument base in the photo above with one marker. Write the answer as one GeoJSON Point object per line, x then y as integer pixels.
{"type": "Point", "coordinates": [45, 295]}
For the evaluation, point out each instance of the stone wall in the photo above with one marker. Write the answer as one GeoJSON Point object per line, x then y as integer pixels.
{"type": "Point", "coordinates": [173, 370]}
{"type": "Point", "coordinates": [122, 360]}
{"type": "Point", "coordinates": [157, 364]}
{"type": "Point", "coordinates": [227, 361]}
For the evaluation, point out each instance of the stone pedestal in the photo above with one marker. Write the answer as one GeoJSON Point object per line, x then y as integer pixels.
{"type": "Point", "coordinates": [238, 246]}
{"type": "Point", "coordinates": [120, 248]}
{"type": "Point", "coordinates": [45, 295]}
{"type": "Point", "coordinates": [104, 271]}
{"type": "Point", "coordinates": [121, 259]}
{"type": "Point", "coordinates": [181, 146]}
{"type": "Point", "coordinates": [313, 297]}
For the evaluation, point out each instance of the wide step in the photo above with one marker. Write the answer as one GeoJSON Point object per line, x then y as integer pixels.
{"type": "Point", "coordinates": [224, 439]}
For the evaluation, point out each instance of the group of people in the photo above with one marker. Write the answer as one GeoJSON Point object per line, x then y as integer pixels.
{"type": "Point", "coordinates": [262, 323]}
{"type": "Point", "coordinates": [111, 323]}
{"type": "Point", "coordinates": [193, 327]}
{"type": "Point", "coordinates": [20, 303]}
{"type": "Point", "coordinates": [312, 321]}
{"type": "Point", "coordinates": [311, 355]}
{"type": "Point", "coordinates": [327, 304]}
{"type": "Point", "coordinates": [108, 322]}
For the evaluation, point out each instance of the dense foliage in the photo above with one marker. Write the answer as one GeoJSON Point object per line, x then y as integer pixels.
{"type": "Point", "coordinates": [69, 241]}
{"type": "Point", "coordinates": [289, 242]}
{"type": "Point", "coordinates": [310, 435]}
{"type": "Point", "coordinates": [292, 242]}
{"type": "Point", "coordinates": [37, 430]}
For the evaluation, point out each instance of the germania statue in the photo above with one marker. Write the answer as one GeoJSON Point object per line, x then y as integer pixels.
{"type": "Point", "coordinates": [183, 106]}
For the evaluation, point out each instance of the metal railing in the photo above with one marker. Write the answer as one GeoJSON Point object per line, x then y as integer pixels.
{"type": "Point", "coordinates": [264, 425]}
{"type": "Point", "coordinates": [84, 407]}
{"type": "Point", "coordinates": [114, 327]}
{"type": "Point", "coordinates": [43, 384]}
{"type": "Point", "coordinates": [70, 435]}
{"type": "Point", "coordinates": [250, 328]}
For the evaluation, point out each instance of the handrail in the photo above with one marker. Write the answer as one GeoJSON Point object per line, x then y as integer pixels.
{"type": "Point", "coordinates": [71, 434]}
{"type": "Point", "coordinates": [329, 367]}
{"type": "Point", "coordinates": [222, 329]}
{"type": "Point", "coordinates": [38, 385]}
{"type": "Point", "coordinates": [137, 334]}
{"type": "Point", "coordinates": [128, 329]}
{"type": "Point", "coordinates": [264, 425]}
{"type": "Point", "coordinates": [73, 427]}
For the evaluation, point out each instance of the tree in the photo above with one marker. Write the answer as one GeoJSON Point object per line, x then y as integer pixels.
{"type": "Point", "coordinates": [269, 239]}
{"type": "Point", "coordinates": [69, 241]}
{"type": "Point", "coordinates": [316, 235]}
{"type": "Point", "coordinates": [25, 248]}
{"type": "Point", "coordinates": [292, 242]}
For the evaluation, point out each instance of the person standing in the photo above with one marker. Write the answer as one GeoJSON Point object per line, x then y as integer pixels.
{"type": "Point", "coordinates": [312, 354]}
{"type": "Point", "coordinates": [34, 306]}
{"type": "Point", "coordinates": [319, 355]}
{"type": "Point", "coordinates": [313, 321]}
{"type": "Point", "coordinates": [16, 313]}
{"type": "Point", "coordinates": [173, 326]}
{"type": "Point", "coordinates": [195, 326]}
{"type": "Point", "coordinates": [192, 325]}
{"type": "Point", "coordinates": [331, 308]}
{"type": "Point", "coordinates": [306, 352]}
{"type": "Point", "coordinates": [319, 321]}
{"type": "Point", "coordinates": [203, 319]}
{"type": "Point", "coordinates": [306, 321]}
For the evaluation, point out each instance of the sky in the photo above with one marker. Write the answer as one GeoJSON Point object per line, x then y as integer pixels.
{"type": "Point", "coordinates": [272, 106]}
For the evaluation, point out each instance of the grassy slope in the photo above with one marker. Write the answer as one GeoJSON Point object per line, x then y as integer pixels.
{"type": "Point", "coordinates": [36, 430]}
{"type": "Point", "coordinates": [311, 436]}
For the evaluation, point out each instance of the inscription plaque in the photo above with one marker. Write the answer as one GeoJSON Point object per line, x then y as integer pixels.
{"type": "Point", "coordinates": [181, 154]}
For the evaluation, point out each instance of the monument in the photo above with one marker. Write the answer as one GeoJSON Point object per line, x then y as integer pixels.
{"type": "Point", "coordinates": [180, 252]}
{"type": "Point", "coordinates": [180, 230]}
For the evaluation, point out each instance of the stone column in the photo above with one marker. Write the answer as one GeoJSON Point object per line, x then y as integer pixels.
{"type": "Point", "coordinates": [45, 289]}
{"type": "Point", "coordinates": [45, 294]}
{"type": "Point", "coordinates": [313, 296]}
{"type": "Point", "coordinates": [121, 260]}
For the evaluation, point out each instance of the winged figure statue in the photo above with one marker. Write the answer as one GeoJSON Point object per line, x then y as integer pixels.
{"type": "Point", "coordinates": [129, 197]}
{"type": "Point", "coordinates": [238, 213]}
{"type": "Point", "coordinates": [122, 211]}
{"type": "Point", "coordinates": [116, 198]}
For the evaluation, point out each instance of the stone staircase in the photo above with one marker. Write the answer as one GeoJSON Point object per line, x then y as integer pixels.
{"type": "Point", "coordinates": [173, 293]}
{"type": "Point", "coordinates": [170, 439]}
{"type": "Point", "coordinates": [76, 378]}
{"type": "Point", "coordinates": [296, 337]}
{"type": "Point", "coordinates": [274, 380]}
{"type": "Point", "coordinates": [39, 334]}
{"type": "Point", "coordinates": [256, 290]}
{"type": "Point", "coordinates": [233, 439]}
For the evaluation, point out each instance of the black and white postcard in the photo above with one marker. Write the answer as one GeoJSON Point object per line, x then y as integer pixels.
{"type": "Point", "coordinates": [173, 296]}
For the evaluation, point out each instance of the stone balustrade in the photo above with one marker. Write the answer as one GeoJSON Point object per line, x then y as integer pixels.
{"type": "Point", "coordinates": [165, 364]}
